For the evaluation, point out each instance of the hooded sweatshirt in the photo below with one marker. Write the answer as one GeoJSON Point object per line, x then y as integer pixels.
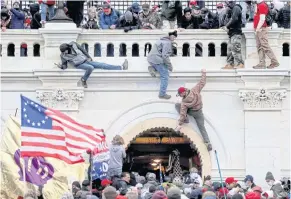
{"type": "Point", "coordinates": [161, 52]}
{"type": "Point", "coordinates": [117, 153]}
{"type": "Point", "coordinates": [192, 100]}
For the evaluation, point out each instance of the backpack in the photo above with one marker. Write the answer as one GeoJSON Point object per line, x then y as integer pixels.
{"type": "Point", "coordinates": [269, 18]}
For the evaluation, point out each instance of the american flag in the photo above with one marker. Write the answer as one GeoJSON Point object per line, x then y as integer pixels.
{"type": "Point", "coordinates": [50, 133]}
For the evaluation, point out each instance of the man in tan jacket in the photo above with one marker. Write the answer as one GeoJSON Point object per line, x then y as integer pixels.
{"type": "Point", "coordinates": [192, 105]}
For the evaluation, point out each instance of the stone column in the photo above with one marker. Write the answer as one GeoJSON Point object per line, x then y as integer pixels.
{"type": "Point", "coordinates": [252, 57]}
{"type": "Point", "coordinates": [54, 35]}
{"type": "Point", "coordinates": [262, 98]}
{"type": "Point", "coordinates": [60, 91]}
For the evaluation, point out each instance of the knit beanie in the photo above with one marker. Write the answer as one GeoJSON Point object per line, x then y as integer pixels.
{"type": "Point", "coordinates": [132, 195]}
{"type": "Point", "coordinates": [159, 195]}
{"type": "Point", "coordinates": [237, 196]}
{"type": "Point", "coordinates": [151, 177]}
{"type": "Point", "coordinates": [269, 176]}
{"type": "Point", "coordinates": [128, 16]}
{"type": "Point", "coordinates": [152, 189]}
{"type": "Point", "coordinates": [178, 182]}
{"type": "Point", "coordinates": [174, 193]}
{"type": "Point", "coordinates": [109, 193]}
{"type": "Point", "coordinates": [175, 33]}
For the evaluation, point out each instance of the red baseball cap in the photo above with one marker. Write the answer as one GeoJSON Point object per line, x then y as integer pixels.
{"type": "Point", "coordinates": [181, 90]}
{"type": "Point", "coordinates": [105, 182]}
{"type": "Point", "coordinates": [230, 180]}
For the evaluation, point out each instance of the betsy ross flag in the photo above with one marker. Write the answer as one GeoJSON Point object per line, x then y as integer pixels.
{"type": "Point", "coordinates": [50, 133]}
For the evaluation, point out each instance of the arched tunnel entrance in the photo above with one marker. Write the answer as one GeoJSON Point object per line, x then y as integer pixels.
{"type": "Point", "coordinates": [153, 146]}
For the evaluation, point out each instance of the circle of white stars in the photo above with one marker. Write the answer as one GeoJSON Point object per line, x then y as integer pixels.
{"type": "Point", "coordinates": [29, 121]}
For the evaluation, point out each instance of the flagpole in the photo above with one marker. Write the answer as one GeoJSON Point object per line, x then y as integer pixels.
{"type": "Point", "coordinates": [89, 151]}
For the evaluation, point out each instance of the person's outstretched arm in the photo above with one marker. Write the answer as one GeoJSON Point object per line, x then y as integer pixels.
{"type": "Point", "coordinates": [199, 86]}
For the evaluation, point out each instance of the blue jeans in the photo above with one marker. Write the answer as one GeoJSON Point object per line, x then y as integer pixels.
{"type": "Point", "coordinates": [89, 66]}
{"type": "Point", "coordinates": [44, 8]}
{"type": "Point", "coordinates": [164, 75]}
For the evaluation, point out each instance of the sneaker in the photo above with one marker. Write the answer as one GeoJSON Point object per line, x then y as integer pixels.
{"type": "Point", "coordinates": [239, 66]}
{"type": "Point", "coordinates": [228, 66]}
{"type": "Point", "coordinates": [84, 83]}
{"type": "Point", "coordinates": [152, 71]}
{"type": "Point", "coordinates": [43, 24]}
{"type": "Point", "coordinates": [259, 66]}
{"type": "Point", "coordinates": [125, 65]}
{"type": "Point", "coordinates": [166, 96]}
{"type": "Point", "coordinates": [273, 65]}
{"type": "Point", "coordinates": [209, 146]}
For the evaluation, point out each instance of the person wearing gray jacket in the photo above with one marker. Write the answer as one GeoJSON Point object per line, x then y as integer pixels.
{"type": "Point", "coordinates": [159, 60]}
{"type": "Point", "coordinates": [77, 56]}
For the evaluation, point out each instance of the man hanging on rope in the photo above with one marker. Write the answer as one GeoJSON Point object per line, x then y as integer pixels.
{"type": "Point", "coordinates": [192, 105]}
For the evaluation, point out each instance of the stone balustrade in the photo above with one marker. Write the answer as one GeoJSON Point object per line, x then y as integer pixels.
{"type": "Point", "coordinates": [198, 48]}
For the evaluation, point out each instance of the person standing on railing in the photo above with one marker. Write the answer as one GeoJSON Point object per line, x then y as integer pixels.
{"type": "Point", "coordinates": [234, 30]}
{"type": "Point", "coordinates": [46, 7]}
{"type": "Point", "coordinates": [159, 60]}
{"type": "Point", "coordinates": [261, 32]}
{"type": "Point", "coordinates": [75, 11]}
{"type": "Point", "coordinates": [171, 14]}
{"type": "Point", "coordinates": [17, 17]}
{"type": "Point", "coordinates": [36, 16]}
{"type": "Point", "coordinates": [77, 56]}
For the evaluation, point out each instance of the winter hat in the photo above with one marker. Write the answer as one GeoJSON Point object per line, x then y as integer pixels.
{"type": "Point", "coordinates": [257, 189]}
{"type": "Point", "coordinates": [219, 5]}
{"type": "Point", "coordinates": [151, 177]}
{"type": "Point", "coordinates": [128, 16]}
{"type": "Point", "coordinates": [152, 189]}
{"type": "Point", "coordinates": [249, 178]}
{"type": "Point", "coordinates": [132, 195]}
{"type": "Point", "coordinates": [187, 10]}
{"type": "Point", "coordinates": [142, 180]}
{"type": "Point", "coordinates": [145, 6]}
{"type": "Point", "coordinates": [86, 183]}
{"type": "Point", "coordinates": [175, 33]}
{"type": "Point", "coordinates": [269, 176]}
{"type": "Point", "coordinates": [237, 196]}
{"type": "Point", "coordinates": [105, 182]}
{"type": "Point", "coordinates": [196, 193]}
{"type": "Point", "coordinates": [209, 195]}
{"type": "Point", "coordinates": [193, 170]}
{"type": "Point", "coordinates": [109, 193]}
{"type": "Point", "coordinates": [135, 7]}
{"type": "Point", "coordinates": [251, 195]}
{"type": "Point", "coordinates": [178, 182]}
{"type": "Point", "coordinates": [76, 184]}
{"type": "Point", "coordinates": [174, 193]}
{"type": "Point", "coordinates": [159, 195]}
{"type": "Point", "coordinates": [64, 47]}
{"type": "Point", "coordinates": [139, 185]}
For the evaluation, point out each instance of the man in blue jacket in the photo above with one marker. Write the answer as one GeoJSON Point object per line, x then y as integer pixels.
{"type": "Point", "coordinates": [109, 18]}
{"type": "Point", "coordinates": [17, 17]}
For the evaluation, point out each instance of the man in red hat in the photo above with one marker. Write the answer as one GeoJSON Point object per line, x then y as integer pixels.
{"type": "Point", "coordinates": [192, 104]}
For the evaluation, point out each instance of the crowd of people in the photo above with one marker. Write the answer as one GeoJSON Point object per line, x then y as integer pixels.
{"type": "Point", "coordinates": [167, 15]}
{"type": "Point", "coordinates": [121, 184]}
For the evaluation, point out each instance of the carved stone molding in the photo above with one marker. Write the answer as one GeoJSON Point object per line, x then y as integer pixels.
{"type": "Point", "coordinates": [263, 99]}
{"type": "Point", "coordinates": [60, 99]}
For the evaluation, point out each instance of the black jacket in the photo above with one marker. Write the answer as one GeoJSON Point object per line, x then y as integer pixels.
{"type": "Point", "coordinates": [172, 10]}
{"type": "Point", "coordinates": [187, 24]}
{"type": "Point", "coordinates": [36, 18]}
{"type": "Point", "coordinates": [284, 17]}
{"type": "Point", "coordinates": [123, 24]}
{"type": "Point", "coordinates": [235, 23]}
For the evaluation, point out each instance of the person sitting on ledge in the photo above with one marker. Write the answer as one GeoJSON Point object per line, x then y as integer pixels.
{"type": "Point", "coordinates": [77, 56]}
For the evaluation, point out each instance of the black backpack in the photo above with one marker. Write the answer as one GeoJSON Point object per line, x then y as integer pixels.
{"type": "Point", "coordinates": [269, 18]}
